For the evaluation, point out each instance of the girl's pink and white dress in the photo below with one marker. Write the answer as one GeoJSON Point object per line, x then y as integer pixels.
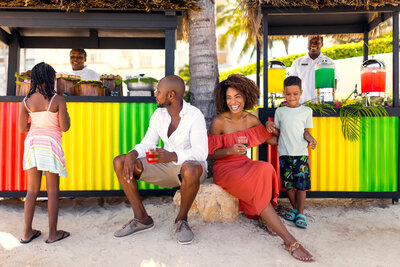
{"type": "Point", "coordinates": [43, 144]}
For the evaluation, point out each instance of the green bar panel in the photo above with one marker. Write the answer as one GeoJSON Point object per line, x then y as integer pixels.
{"type": "Point", "coordinates": [379, 155]}
{"type": "Point", "coordinates": [134, 121]}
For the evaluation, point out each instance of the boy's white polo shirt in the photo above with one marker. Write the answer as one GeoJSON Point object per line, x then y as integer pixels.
{"type": "Point", "coordinates": [304, 68]}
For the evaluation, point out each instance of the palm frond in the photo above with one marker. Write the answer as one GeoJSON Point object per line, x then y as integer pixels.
{"type": "Point", "coordinates": [351, 117]}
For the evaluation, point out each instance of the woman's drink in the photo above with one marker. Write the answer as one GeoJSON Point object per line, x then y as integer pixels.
{"type": "Point", "coordinates": [151, 155]}
{"type": "Point", "coordinates": [242, 140]}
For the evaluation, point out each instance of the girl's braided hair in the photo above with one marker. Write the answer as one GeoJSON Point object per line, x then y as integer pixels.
{"type": "Point", "coordinates": [244, 85]}
{"type": "Point", "coordinates": [42, 79]}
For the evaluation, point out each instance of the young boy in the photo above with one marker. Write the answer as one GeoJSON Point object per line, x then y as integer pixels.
{"type": "Point", "coordinates": [292, 123]}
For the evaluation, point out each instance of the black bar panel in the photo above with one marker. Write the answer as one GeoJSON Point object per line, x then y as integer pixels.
{"type": "Point", "coordinates": [265, 59]}
{"type": "Point", "coordinates": [93, 99]}
{"type": "Point", "coordinates": [379, 19]}
{"type": "Point", "coordinates": [90, 43]}
{"type": "Point", "coordinates": [365, 46]}
{"type": "Point", "coordinates": [5, 37]}
{"type": "Point", "coordinates": [395, 59]}
{"type": "Point", "coordinates": [171, 192]}
{"type": "Point", "coordinates": [169, 52]}
{"type": "Point", "coordinates": [315, 29]}
{"type": "Point", "coordinates": [96, 20]}
{"type": "Point", "coordinates": [332, 10]}
{"type": "Point", "coordinates": [258, 64]}
{"type": "Point", "coordinates": [13, 63]}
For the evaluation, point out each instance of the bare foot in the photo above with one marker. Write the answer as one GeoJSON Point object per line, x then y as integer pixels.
{"type": "Point", "coordinates": [299, 252]}
{"type": "Point", "coordinates": [60, 235]}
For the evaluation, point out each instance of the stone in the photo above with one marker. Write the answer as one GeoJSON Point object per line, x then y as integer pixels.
{"type": "Point", "coordinates": [212, 204]}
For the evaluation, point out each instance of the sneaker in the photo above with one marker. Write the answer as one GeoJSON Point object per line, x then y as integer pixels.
{"type": "Point", "coordinates": [134, 227]}
{"type": "Point", "coordinates": [184, 233]}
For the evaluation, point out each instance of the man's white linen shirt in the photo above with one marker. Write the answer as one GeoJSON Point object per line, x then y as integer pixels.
{"type": "Point", "coordinates": [189, 140]}
{"type": "Point", "coordinates": [304, 68]}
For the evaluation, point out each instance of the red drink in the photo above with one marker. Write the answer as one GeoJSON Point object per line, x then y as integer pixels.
{"type": "Point", "coordinates": [373, 81]}
{"type": "Point", "coordinates": [151, 155]}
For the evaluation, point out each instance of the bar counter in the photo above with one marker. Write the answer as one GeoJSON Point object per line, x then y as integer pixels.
{"type": "Point", "coordinates": [104, 127]}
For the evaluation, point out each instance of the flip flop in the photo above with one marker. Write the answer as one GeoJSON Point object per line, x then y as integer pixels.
{"type": "Point", "coordinates": [64, 235]}
{"type": "Point", "coordinates": [291, 215]}
{"type": "Point", "coordinates": [301, 221]}
{"type": "Point", "coordinates": [36, 235]}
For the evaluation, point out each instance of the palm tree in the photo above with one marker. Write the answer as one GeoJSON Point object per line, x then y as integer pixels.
{"type": "Point", "coordinates": [203, 61]}
{"type": "Point", "coordinates": [230, 14]}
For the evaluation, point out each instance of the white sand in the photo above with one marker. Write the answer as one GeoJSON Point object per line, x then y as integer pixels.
{"type": "Point", "coordinates": [347, 232]}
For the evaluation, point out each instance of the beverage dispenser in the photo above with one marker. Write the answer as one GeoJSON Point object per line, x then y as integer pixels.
{"type": "Point", "coordinates": [373, 80]}
{"type": "Point", "coordinates": [324, 82]}
{"type": "Point", "coordinates": [276, 76]}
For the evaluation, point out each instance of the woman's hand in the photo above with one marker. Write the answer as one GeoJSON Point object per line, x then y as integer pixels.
{"type": "Point", "coordinates": [237, 149]}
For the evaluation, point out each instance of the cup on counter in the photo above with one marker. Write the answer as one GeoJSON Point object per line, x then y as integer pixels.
{"type": "Point", "coordinates": [151, 155]}
{"type": "Point", "coordinates": [242, 140]}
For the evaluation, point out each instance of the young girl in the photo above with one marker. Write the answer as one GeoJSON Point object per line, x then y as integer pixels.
{"type": "Point", "coordinates": [44, 114]}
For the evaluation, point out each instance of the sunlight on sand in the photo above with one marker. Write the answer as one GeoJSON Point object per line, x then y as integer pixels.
{"type": "Point", "coordinates": [152, 263]}
{"type": "Point", "coordinates": [8, 241]}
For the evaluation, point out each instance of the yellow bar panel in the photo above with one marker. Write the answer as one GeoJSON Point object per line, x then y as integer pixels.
{"type": "Point", "coordinates": [335, 162]}
{"type": "Point", "coordinates": [90, 146]}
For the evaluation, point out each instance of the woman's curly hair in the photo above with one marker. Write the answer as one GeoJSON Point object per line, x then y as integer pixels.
{"type": "Point", "coordinates": [244, 85]}
{"type": "Point", "coordinates": [42, 78]}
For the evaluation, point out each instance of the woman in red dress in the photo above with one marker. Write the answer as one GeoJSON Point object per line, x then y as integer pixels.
{"type": "Point", "coordinates": [254, 183]}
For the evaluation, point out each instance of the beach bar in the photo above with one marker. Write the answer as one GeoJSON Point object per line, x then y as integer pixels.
{"type": "Point", "coordinates": [102, 127]}
{"type": "Point", "coordinates": [369, 167]}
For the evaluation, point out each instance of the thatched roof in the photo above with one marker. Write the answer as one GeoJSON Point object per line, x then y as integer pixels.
{"type": "Point", "coordinates": [82, 5]}
{"type": "Point", "coordinates": [324, 3]}
{"type": "Point", "coordinates": [252, 12]}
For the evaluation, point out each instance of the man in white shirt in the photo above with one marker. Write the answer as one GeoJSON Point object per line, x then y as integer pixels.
{"type": "Point", "coordinates": [304, 67]}
{"type": "Point", "coordinates": [77, 60]}
{"type": "Point", "coordinates": [182, 161]}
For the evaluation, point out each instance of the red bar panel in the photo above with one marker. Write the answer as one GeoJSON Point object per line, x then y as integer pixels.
{"type": "Point", "coordinates": [12, 177]}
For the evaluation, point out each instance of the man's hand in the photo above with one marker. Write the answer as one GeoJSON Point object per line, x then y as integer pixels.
{"type": "Point", "coordinates": [270, 125]}
{"type": "Point", "coordinates": [164, 156]}
{"type": "Point", "coordinates": [131, 165]}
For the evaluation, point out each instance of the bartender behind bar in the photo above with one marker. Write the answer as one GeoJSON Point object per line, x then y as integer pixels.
{"type": "Point", "coordinates": [77, 60]}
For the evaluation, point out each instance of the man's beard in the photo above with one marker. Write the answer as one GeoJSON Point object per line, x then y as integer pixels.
{"type": "Point", "coordinates": [167, 103]}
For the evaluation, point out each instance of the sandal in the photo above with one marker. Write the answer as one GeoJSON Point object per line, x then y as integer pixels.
{"type": "Point", "coordinates": [301, 221]}
{"type": "Point", "coordinates": [295, 246]}
{"type": "Point", "coordinates": [291, 215]}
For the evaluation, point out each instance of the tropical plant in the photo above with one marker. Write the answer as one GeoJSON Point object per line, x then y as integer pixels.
{"type": "Point", "coordinates": [351, 115]}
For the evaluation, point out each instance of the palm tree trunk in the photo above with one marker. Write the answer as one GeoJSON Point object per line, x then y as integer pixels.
{"type": "Point", "coordinates": [203, 60]}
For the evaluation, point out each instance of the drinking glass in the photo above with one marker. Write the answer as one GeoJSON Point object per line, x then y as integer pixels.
{"type": "Point", "coordinates": [242, 140]}
{"type": "Point", "coordinates": [151, 155]}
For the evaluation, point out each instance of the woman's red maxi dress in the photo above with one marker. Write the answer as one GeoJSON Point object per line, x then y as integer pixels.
{"type": "Point", "coordinates": [254, 183]}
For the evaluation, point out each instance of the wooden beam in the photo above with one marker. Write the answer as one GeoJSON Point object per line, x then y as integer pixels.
{"type": "Point", "coordinates": [379, 19]}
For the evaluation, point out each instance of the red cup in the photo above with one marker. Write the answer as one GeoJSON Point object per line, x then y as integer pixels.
{"type": "Point", "coordinates": [151, 155]}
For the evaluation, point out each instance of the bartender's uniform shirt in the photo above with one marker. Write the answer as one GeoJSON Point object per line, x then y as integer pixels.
{"type": "Point", "coordinates": [304, 68]}
{"type": "Point", "coordinates": [86, 74]}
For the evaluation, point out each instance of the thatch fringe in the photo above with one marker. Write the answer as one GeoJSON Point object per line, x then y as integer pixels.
{"type": "Point", "coordinates": [324, 3]}
{"type": "Point", "coordinates": [82, 5]}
